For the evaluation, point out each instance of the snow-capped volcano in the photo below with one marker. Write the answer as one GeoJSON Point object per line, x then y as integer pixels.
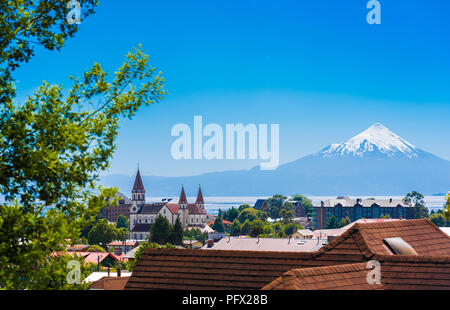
{"type": "Point", "coordinates": [374, 140]}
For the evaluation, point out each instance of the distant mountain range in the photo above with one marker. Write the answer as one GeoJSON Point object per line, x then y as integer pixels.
{"type": "Point", "coordinates": [375, 162]}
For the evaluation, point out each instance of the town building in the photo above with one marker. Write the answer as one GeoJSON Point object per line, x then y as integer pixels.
{"type": "Point", "coordinates": [143, 215]}
{"type": "Point", "coordinates": [111, 213]}
{"type": "Point", "coordinates": [267, 244]}
{"type": "Point", "coordinates": [122, 247]}
{"type": "Point", "coordinates": [355, 209]}
{"type": "Point", "coordinates": [422, 261]}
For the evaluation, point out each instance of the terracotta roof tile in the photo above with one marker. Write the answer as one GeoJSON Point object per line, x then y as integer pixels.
{"type": "Point", "coordinates": [340, 264]}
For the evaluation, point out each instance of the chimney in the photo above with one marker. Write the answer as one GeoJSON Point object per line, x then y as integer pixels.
{"type": "Point", "coordinates": [118, 269]}
{"type": "Point", "coordinates": [109, 270]}
{"type": "Point", "coordinates": [210, 243]}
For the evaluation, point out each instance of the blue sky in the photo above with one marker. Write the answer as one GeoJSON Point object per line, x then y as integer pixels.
{"type": "Point", "coordinates": [314, 67]}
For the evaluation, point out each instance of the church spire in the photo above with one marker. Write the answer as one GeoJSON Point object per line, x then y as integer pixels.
{"type": "Point", "coordinates": [183, 199]}
{"type": "Point", "coordinates": [138, 191]}
{"type": "Point", "coordinates": [199, 200]}
{"type": "Point", "coordinates": [138, 186]}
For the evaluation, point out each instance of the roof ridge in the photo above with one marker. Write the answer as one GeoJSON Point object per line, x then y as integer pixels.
{"type": "Point", "coordinates": [324, 270]}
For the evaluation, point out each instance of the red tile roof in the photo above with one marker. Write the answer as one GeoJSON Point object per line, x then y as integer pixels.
{"type": "Point", "coordinates": [195, 209]}
{"type": "Point", "coordinates": [340, 277]}
{"type": "Point", "coordinates": [109, 283]}
{"type": "Point", "coordinates": [223, 269]}
{"type": "Point", "coordinates": [396, 273]}
{"type": "Point", "coordinates": [122, 243]}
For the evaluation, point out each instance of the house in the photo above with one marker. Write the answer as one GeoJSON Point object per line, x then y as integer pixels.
{"type": "Point", "coordinates": [226, 224]}
{"type": "Point", "coordinates": [348, 259]}
{"type": "Point", "coordinates": [267, 244]}
{"type": "Point", "coordinates": [142, 214]}
{"type": "Point", "coordinates": [355, 209]}
{"type": "Point", "coordinates": [122, 246]}
{"type": "Point", "coordinates": [259, 204]}
{"type": "Point", "coordinates": [78, 247]}
{"type": "Point", "coordinates": [110, 283]}
{"type": "Point", "coordinates": [302, 234]}
{"type": "Point", "coordinates": [112, 213]}
{"type": "Point", "coordinates": [192, 244]}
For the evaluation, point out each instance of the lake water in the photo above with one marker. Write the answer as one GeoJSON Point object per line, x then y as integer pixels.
{"type": "Point", "coordinates": [213, 204]}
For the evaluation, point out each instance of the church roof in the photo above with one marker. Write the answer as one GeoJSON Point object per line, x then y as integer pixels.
{"type": "Point", "coordinates": [182, 196]}
{"type": "Point", "coordinates": [195, 209]}
{"type": "Point", "coordinates": [199, 196]}
{"type": "Point", "coordinates": [138, 185]}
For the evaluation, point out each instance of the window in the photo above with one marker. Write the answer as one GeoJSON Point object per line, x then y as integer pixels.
{"type": "Point", "coordinates": [398, 246]}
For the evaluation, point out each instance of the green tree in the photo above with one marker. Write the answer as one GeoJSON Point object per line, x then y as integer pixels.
{"type": "Point", "coordinates": [447, 207]}
{"type": "Point", "coordinates": [306, 203]}
{"type": "Point", "coordinates": [256, 228]}
{"type": "Point", "coordinates": [332, 222]}
{"type": "Point", "coordinates": [345, 221]}
{"type": "Point", "coordinates": [218, 225]}
{"type": "Point", "coordinates": [160, 230]}
{"type": "Point", "coordinates": [250, 214]}
{"type": "Point", "coordinates": [235, 228]}
{"type": "Point", "coordinates": [415, 199]}
{"type": "Point", "coordinates": [290, 228]}
{"type": "Point", "coordinates": [231, 214]}
{"type": "Point", "coordinates": [122, 222]}
{"type": "Point", "coordinates": [276, 204]}
{"type": "Point", "coordinates": [102, 234]}
{"type": "Point", "coordinates": [245, 228]}
{"type": "Point", "coordinates": [176, 236]}
{"type": "Point", "coordinates": [95, 248]}
{"type": "Point", "coordinates": [439, 220]}
{"type": "Point", "coordinates": [54, 145]}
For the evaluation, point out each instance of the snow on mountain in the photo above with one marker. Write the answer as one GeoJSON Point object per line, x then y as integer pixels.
{"type": "Point", "coordinates": [376, 139]}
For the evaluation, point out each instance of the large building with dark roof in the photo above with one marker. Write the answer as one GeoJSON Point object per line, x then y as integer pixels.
{"type": "Point", "coordinates": [355, 209]}
{"type": "Point", "coordinates": [142, 214]}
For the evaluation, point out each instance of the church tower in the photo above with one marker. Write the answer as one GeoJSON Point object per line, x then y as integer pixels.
{"type": "Point", "coordinates": [183, 207]}
{"type": "Point", "coordinates": [200, 202]}
{"type": "Point", "coordinates": [138, 191]}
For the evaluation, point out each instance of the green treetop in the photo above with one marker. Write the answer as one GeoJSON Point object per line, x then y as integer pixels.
{"type": "Point", "coordinates": [54, 145]}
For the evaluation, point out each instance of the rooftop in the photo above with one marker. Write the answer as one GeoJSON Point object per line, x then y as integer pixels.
{"type": "Point", "coordinates": [268, 244]}
{"type": "Point", "coordinates": [226, 269]}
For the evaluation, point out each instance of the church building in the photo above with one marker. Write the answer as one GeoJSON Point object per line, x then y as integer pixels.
{"type": "Point", "coordinates": [142, 214]}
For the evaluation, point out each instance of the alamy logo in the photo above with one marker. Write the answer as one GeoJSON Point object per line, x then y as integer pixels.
{"type": "Point", "coordinates": [235, 139]}
{"type": "Point", "coordinates": [74, 12]}
{"type": "Point", "coordinates": [74, 275]}
{"type": "Point", "coordinates": [374, 16]}
{"type": "Point", "coordinates": [374, 275]}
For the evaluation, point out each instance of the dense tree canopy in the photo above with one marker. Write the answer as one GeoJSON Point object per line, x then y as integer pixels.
{"type": "Point", "coordinates": [54, 145]}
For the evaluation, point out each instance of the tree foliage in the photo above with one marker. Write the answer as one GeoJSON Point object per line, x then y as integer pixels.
{"type": "Point", "coordinates": [160, 230]}
{"type": "Point", "coordinates": [276, 204]}
{"type": "Point", "coordinates": [415, 199]}
{"type": "Point", "coordinates": [306, 203]}
{"type": "Point", "coordinates": [54, 145]}
{"type": "Point", "coordinates": [122, 222]}
{"type": "Point", "coordinates": [218, 225]}
{"type": "Point", "coordinates": [102, 233]}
